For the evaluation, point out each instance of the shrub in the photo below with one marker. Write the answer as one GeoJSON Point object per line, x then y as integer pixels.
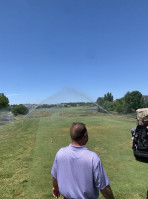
{"type": "Point", "coordinates": [19, 109]}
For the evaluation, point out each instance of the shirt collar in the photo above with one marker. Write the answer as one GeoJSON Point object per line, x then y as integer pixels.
{"type": "Point", "coordinates": [75, 148]}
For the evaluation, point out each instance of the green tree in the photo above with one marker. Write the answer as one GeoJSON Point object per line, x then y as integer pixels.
{"type": "Point", "coordinates": [133, 100]}
{"type": "Point", "coordinates": [120, 105]}
{"type": "Point", "coordinates": [108, 97]}
{"type": "Point", "coordinates": [110, 106]}
{"type": "Point", "coordinates": [4, 102]}
{"type": "Point", "coordinates": [106, 102]}
{"type": "Point", "coordinates": [19, 109]}
{"type": "Point", "coordinates": [146, 104]}
{"type": "Point", "coordinates": [100, 101]}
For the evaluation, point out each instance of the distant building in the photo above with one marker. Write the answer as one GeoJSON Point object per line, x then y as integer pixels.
{"type": "Point", "coordinates": [60, 105]}
{"type": "Point", "coordinates": [30, 106]}
{"type": "Point", "coordinates": [145, 97]}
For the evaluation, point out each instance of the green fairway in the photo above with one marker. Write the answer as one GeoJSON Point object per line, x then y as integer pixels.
{"type": "Point", "coordinates": [28, 148]}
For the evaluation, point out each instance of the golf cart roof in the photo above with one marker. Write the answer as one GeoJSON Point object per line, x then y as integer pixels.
{"type": "Point", "coordinates": [142, 113]}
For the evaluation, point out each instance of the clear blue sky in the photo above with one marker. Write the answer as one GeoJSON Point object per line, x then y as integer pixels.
{"type": "Point", "coordinates": [92, 46]}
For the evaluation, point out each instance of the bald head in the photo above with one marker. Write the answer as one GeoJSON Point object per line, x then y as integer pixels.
{"type": "Point", "coordinates": [77, 131]}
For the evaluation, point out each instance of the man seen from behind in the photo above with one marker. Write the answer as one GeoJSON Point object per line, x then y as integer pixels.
{"type": "Point", "coordinates": [77, 172]}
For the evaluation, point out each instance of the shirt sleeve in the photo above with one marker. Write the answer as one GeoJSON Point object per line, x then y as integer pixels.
{"type": "Point", "coordinates": [54, 169]}
{"type": "Point", "coordinates": [100, 177]}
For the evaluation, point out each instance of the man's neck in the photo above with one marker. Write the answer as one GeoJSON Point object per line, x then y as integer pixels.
{"type": "Point", "coordinates": [77, 144]}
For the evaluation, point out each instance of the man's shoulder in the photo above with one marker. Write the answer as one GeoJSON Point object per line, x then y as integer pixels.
{"type": "Point", "coordinates": [62, 150]}
{"type": "Point", "coordinates": [93, 154]}
{"type": "Point", "coordinates": [89, 153]}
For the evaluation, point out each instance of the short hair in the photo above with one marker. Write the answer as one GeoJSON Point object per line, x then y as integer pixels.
{"type": "Point", "coordinates": [77, 131]}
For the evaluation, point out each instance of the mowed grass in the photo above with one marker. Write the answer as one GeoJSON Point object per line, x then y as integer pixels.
{"type": "Point", "coordinates": [28, 149]}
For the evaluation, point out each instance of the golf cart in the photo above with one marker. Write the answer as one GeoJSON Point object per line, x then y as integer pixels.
{"type": "Point", "coordinates": [140, 134]}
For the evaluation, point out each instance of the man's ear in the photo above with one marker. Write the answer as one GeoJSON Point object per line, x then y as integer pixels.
{"type": "Point", "coordinates": [85, 134]}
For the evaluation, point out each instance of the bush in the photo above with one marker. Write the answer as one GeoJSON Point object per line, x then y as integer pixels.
{"type": "Point", "coordinates": [19, 109]}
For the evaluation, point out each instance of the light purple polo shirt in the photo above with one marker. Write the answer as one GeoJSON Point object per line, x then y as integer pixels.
{"type": "Point", "coordinates": [79, 172]}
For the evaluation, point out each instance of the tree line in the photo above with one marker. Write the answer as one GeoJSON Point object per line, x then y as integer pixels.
{"type": "Point", "coordinates": [66, 104]}
{"type": "Point", "coordinates": [129, 103]}
{"type": "Point", "coordinates": [15, 109]}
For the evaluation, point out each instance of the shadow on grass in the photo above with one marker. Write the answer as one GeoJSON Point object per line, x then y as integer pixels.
{"type": "Point", "coordinates": [142, 159]}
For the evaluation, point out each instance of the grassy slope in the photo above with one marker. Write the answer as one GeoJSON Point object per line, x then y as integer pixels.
{"type": "Point", "coordinates": [27, 153]}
